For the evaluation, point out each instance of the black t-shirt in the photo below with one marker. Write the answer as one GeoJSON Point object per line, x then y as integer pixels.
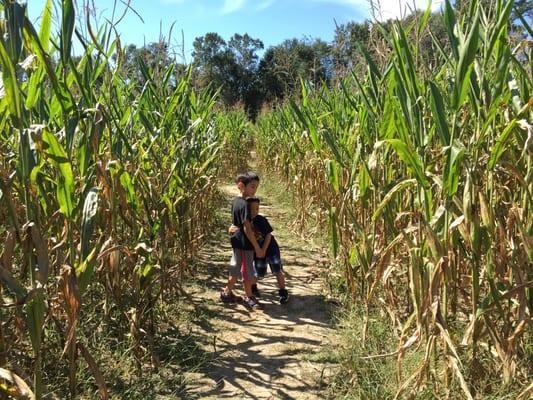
{"type": "Point", "coordinates": [262, 227]}
{"type": "Point", "coordinates": [239, 214]}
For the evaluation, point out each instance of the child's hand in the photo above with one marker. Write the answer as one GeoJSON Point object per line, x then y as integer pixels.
{"type": "Point", "coordinates": [260, 253]}
{"type": "Point", "coordinates": [232, 229]}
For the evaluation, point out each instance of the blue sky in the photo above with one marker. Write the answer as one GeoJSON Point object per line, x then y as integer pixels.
{"type": "Point", "coordinates": [272, 21]}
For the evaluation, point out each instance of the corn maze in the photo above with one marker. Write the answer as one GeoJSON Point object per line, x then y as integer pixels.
{"type": "Point", "coordinates": [423, 175]}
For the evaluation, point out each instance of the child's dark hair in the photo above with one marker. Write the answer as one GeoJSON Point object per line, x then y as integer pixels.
{"type": "Point", "coordinates": [247, 177]}
{"type": "Point", "coordinates": [251, 200]}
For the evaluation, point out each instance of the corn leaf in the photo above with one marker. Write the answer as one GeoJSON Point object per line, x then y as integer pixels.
{"type": "Point", "coordinates": [90, 208]}
{"type": "Point", "coordinates": [410, 159]}
{"type": "Point", "coordinates": [65, 181]}
{"type": "Point", "coordinates": [499, 148]}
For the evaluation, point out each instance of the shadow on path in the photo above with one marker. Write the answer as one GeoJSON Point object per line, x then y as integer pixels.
{"type": "Point", "coordinates": [262, 354]}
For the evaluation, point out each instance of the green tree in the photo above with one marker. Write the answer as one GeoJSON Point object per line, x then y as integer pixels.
{"type": "Point", "coordinates": [283, 65]}
{"type": "Point", "coordinates": [244, 49]}
{"type": "Point", "coordinates": [230, 67]}
{"type": "Point", "coordinates": [348, 40]}
{"type": "Point", "coordinates": [215, 66]}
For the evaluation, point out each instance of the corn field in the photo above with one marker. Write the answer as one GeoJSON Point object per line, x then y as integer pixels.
{"type": "Point", "coordinates": [421, 170]}
{"type": "Point", "coordinates": [106, 191]}
{"type": "Point", "coordinates": [424, 176]}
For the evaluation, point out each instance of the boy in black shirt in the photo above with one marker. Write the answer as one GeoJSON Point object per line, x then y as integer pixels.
{"type": "Point", "coordinates": [263, 233]}
{"type": "Point", "coordinates": [243, 243]}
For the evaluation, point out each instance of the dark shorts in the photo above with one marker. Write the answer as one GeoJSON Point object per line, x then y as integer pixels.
{"type": "Point", "coordinates": [260, 265]}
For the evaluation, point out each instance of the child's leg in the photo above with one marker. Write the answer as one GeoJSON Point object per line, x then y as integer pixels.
{"type": "Point", "coordinates": [227, 295]}
{"type": "Point", "coordinates": [247, 270]}
{"type": "Point", "coordinates": [260, 267]}
{"type": "Point", "coordinates": [234, 271]}
{"type": "Point", "coordinates": [255, 290]}
{"type": "Point", "coordinates": [232, 280]}
{"type": "Point", "coordinates": [248, 288]}
{"type": "Point", "coordinates": [280, 277]}
{"type": "Point", "coordinates": [254, 279]}
{"type": "Point", "coordinates": [277, 269]}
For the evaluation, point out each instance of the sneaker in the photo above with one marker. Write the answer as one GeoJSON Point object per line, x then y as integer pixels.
{"type": "Point", "coordinates": [255, 291]}
{"type": "Point", "coordinates": [253, 303]}
{"type": "Point", "coordinates": [229, 297]}
{"type": "Point", "coordinates": [283, 296]}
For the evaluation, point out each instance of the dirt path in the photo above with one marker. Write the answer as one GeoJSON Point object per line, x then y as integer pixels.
{"type": "Point", "coordinates": [270, 354]}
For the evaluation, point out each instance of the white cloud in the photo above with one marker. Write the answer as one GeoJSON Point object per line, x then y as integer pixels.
{"type": "Point", "coordinates": [232, 6]}
{"type": "Point", "coordinates": [387, 9]}
{"type": "Point", "coordinates": [350, 3]}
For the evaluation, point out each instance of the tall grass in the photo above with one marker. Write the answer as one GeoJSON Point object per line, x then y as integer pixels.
{"type": "Point", "coordinates": [425, 183]}
{"type": "Point", "coordinates": [106, 193]}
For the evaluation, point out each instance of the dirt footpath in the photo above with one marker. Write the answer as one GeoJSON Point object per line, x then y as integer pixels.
{"type": "Point", "coordinates": [269, 354]}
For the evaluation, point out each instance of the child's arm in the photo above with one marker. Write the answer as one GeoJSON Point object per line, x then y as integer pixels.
{"type": "Point", "coordinates": [248, 231]}
{"type": "Point", "coordinates": [266, 242]}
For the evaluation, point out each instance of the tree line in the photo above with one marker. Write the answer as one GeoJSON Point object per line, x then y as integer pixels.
{"type": "Point", "coordinates": [247, 75]}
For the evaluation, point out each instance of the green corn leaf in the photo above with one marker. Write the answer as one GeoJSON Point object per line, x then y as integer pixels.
{"type": "Point", "coordinates": [500, 29]}
{"type": "Point", "coordinates": [304, 93]}
{"type": "Point", "coordinates": [462, 89]}
{"type": "Point", "coordinates": [403, 98]}
{"type": "Point", "coordinates": [85, 270]}
{"type": "Point", "coordinates": [103, 65]}
{"type": "Point", "coordinates": [502, 72]}
{"type": "Point", "coordinates": [452, 171]}
{"type": "Point", "coordinates": [425, 18]}
{"type": "Point", "coordinates": [146, 272]}
{"type": "Point", "coordinates": [35, 318]}
{"type": "Point", "coordinates": [464, 65]}
{"type": "Point", "coordinates": [14, 22]}
{"type": "Point", "coordinates": [34, 87]}
{"type": "Point", "coordinates": [168, 74]}
{"type": "Point", "coordinates": [410, 159]}
{"type": "Point", "coordinates": [399, 187]}
{"type": "Point", "coordinates": [375, 75]}
{"type": "Point", "coordinates": [362, 93]}
{"type": "Point", "coordinates": [46, 25]}
{"type": "Point", "coordinates": [75, 76]}
{"type": "Point", "coordinates": [68, 18]}
{"type": "Point", "coordinates": [333, 145]}
{"type": "Point", "coordinates": [63, 96]}
{"type": "Point", "coordinates": [313, 135]}
{"type": "Point", "coordinates": [334, 240]}
{"type": "Point", "coordinates": [499, 147]}
{"type": "Point", "coordinates": [90, 208]}
{"type": "Point", "coordinates": [451, 24]}
{"type": "Point", "coordinates": [333, 174]}
{"type": "Point", "coordinates": [11, 86]}
{"type": "Point", "coordinates": [406, 60]}
{"type": "Point", "coordinates": [439, 114]}
{"type": "Point", "coordinates": [65, 182]}
{"type": "Point", "coordinates": [363, 180]}
{"type": "Point", "coordinates": [127, 184]}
